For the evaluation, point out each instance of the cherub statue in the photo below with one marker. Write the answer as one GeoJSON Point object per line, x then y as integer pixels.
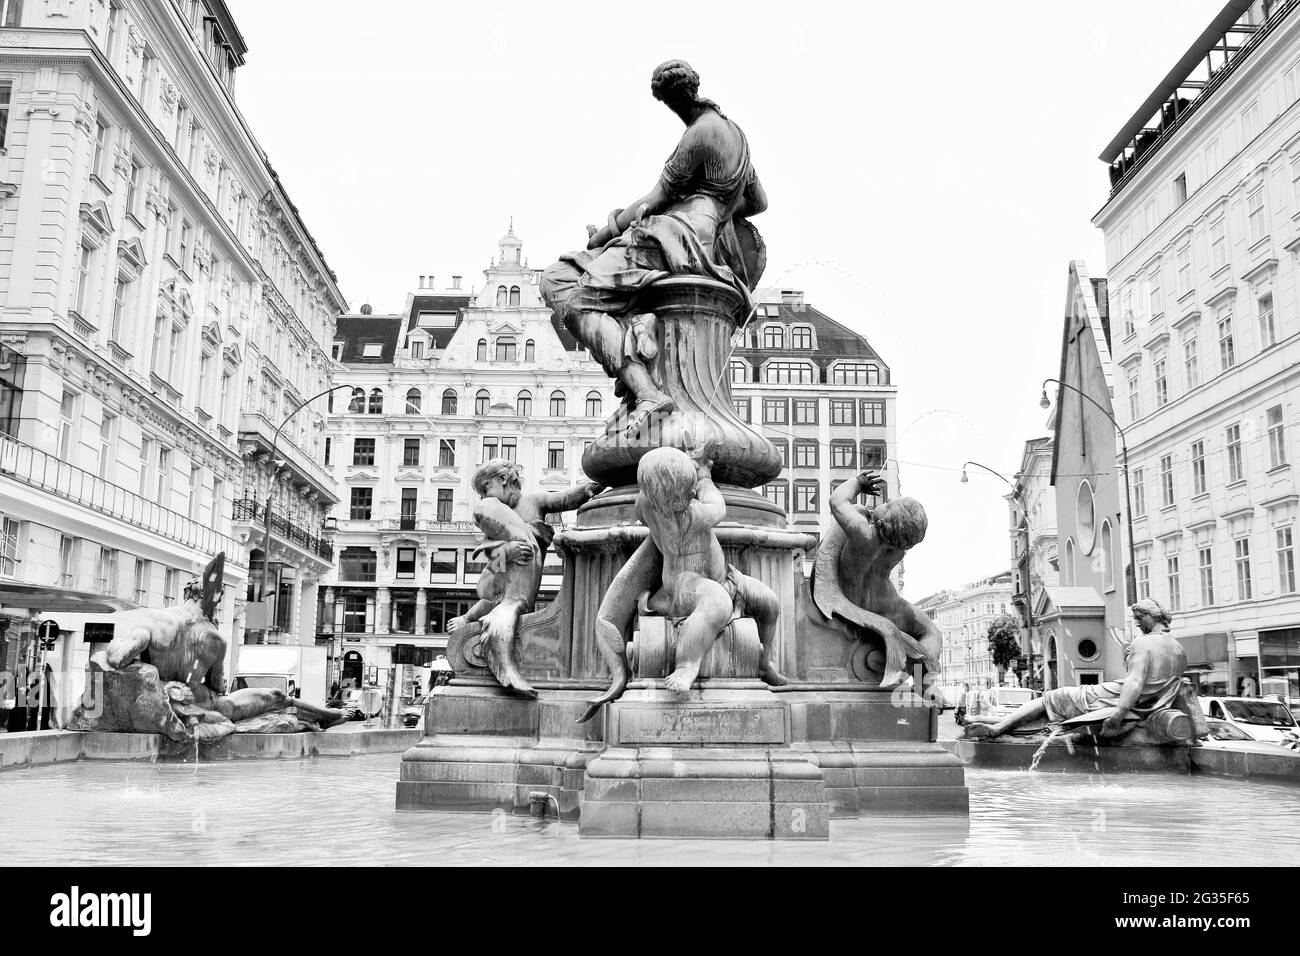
{"type": "Point", "coordinates": [681, 566]}
{"type": "Point", "coordinates": [851, 575]}
{"type": "Point", "coordinates": [516, 538]}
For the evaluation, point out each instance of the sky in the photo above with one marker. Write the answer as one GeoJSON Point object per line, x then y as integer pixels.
{"type": "Point", "coordinates": [929, 180]}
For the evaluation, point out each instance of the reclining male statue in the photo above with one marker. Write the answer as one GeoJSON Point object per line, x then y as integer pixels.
{"type": "Point", "coordinates": [1154, 682]}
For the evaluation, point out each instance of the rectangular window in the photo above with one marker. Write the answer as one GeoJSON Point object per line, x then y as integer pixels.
{"type": "Point", "coordinates": [842, 411]}
{"type": "Point", "coordinates": [1227, 354]}
{"type": "Point", "coordinates": [444, 504]}
{"type": "Point", "coordinates": [9, 547]}
{"type": "Point", "coordinates": [411, 452]}
{"type": "Point", "coordinates": [842, 455]}
{"type": "Point", "coordinates": [778, 492]}
{"type": "Point", "coordinates": [490, 446]}
{"type": "Point", "coordinates": [509, 446]}
{"type": "Point", "coordinates": [805, 411]}
{"type": "Point", "coordinates": [360, 504]}
{"type": "Point", "coordinates": [1162, 384]}
{"type": "Point", "coordinates": [1205, 568]}
{"type": "Point", "coordinates": [1236, 469]}
{"type": "Point", "coordinates": [1139, 493]}
{"type": "Point", "coordinates": [555, 454]}
{"type": "Point", "coordinates": [805, 497]}
{"type": "Point", "coordinates": [1267, 329]}
{"type": "Point", "coordinates": [783, 447]}
{"type": "Point", "coordinates": [143, 569]}
{"type": "Point", "coordinates": [1276, 438]}
{"type": "Point", "coordinates": [67, 561]}
{"type": "Point", "coordinates": [1241, 548]}
{"type": "Point", "coordinates": [873, 455]}
{"type": "Point", "coordinates": [1143, 580]}
{"type": "Point", "coordinates": [1218, 244]}
{"type": "Point", "coordinates": [788, 373]}
{"type": "Point", "coordinates": [146, 464]}
{"type": "Point", "coordinates": [171, 587]}
{"type": "Point", "coordinates": [1155, 294]}
{"type": "Point", "coordinates": [741, 408]}
{"type": "Point", "coordinates": [506, 350]}
{"type": "Point", "coordinates": [446, 453]}
{"type": "Point", "coordinates": [106, 576]}
{"type": "Point", "coordinates": [1285, 560]}
{"type": "Point", "coordinates": [774, 411]}
{"type": "Point", "coordinates": [406, 563]}
{"type": "Point", "coordinates": [101, 148]}
{"type": "Point", "coordinates": [6, 95]}
{"type": "Point", "coordinates": [1198, 468]}
{"type": "Point", "coordinates": [805, 454]}
{"type": "Point", "coordinates": [410, 506]}
{"type": "Point", "coordinates": [442, 564]}
{"type": "Point", "coordinates": [363, 451]}
{"type": "Point", "coordinates": [1134, 396]}
{"type": "Point", "coordinates": [1167, 481]}
{"type": "Point", "coordinates": [1191, 362]}
{"type": "Point", "coordinates": [142, 81]}
{"type": "Point", "coordinates": [871, 411]}
{"type": "Point", "coordinates": [67, 424]}
{"type": "Point", "coordinates": [1255, 214]}
{"type": "Point", "coordinates": [1180, 189]}
{"type": "Point", "coordinates": [329, 448]}
{"type": "Point", "coordinates": [1172, 582]}
{"type": "Point", "coordinates": [196, 491]}
{"type": "Point", "coordinates": [1126, 306]}
{"type": "Point", "coordinates": [81, 298]}
{"type": "Point", "coordinates": [1185, 269]}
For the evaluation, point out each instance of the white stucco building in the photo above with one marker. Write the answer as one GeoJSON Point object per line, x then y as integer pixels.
{"type": "Point", "coordinates": [162, 307]}
{"type": "Point", "coordinates": [1202, 234]}
{"type": "Point", "coordinates": [964, 617]}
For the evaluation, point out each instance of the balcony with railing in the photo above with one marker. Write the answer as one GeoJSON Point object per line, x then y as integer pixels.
{"type": "Point", "coordinates": [21, 463]}
{"type": "Point", "coordinates": [250, 512]}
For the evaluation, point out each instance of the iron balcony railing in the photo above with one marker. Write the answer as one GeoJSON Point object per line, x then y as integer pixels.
{"type": "Point", "coordinates": [249, 510]}
{"type": "Point", "coordinates": [30, 466]}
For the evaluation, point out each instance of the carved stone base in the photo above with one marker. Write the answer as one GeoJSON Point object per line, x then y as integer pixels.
{"type": "Point", "coordinates": [717, 765]}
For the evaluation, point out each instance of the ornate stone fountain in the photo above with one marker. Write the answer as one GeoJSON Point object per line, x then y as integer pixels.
{"type": "Point", "coordinates": [688, 680]}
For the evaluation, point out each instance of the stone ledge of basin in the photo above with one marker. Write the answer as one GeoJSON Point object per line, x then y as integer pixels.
{"type": "Point", "coordinates": [32, 748]}
{"type": "Point", "coordinates": [1281, 765]}
{"type": "Point", "coordinates": [1058, 757]}
{"type": "Point", "coordinates": [852, 690]}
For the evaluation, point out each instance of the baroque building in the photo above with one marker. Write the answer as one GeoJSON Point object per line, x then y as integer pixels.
{"type": "Point", "coordinates": [162, 308]}
{"type": "Point", "coordinates": [964, 617]}
{"type": "Point", "coordinates": [1203, 257]}
{"type": "Point", "coordinates": [460, 376]}
{"type": "Point", "coordinates": [819, 392]}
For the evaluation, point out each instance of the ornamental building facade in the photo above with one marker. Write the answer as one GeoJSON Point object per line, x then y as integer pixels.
{"type": "Point", "coordinates": [162, 307]}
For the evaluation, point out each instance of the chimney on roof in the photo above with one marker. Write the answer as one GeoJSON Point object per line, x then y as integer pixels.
{"type": "Point", "coordinates": [455, 282]}
{"type": "Point", "coordinates": [422, 282]}
{"type": "Point", "coordinates": [792, 299]}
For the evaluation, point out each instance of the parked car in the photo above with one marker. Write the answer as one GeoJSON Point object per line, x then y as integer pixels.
{"type": "Point", "coordinates": [413, 712]}
{"type": "Point", "coordinates": [998, 701]}
{"type": "Point", "coordinates": [948, 696]}
{"type": "Point", "coordinates": [1263, 719]}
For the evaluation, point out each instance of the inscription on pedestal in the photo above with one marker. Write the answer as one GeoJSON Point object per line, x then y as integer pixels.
{"type": "Point", "coordinates": [698, 724]}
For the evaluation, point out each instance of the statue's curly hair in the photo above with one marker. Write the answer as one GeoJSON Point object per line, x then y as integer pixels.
{"type": "Point", "coordinates": [675, 81]}
{"type": "Point", "coordinates": [901, 522]}
{"type": "Point", "coordinates": [1158, 611]}
{"type": "Point", "coordinates": [495, 468]}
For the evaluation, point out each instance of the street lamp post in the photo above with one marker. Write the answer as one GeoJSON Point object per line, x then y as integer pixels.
{"type": "Point", "coordinates": [1130, 577]}
{"type": "Point", "coordinates": [1029, 589]}
{"type": "Point", "coordinates": [270, 493]}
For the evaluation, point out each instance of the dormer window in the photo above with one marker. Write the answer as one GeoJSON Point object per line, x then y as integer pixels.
{"type": "Point", "coordinates": [372, 350]}
{"type": "Point", "coordinates": [801, 337]}
{"type": "Point", "coordinates": [773, 337]}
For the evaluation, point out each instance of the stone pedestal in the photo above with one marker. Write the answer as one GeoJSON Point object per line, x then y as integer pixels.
{"type": "Point", "coordinates": [716, 766]}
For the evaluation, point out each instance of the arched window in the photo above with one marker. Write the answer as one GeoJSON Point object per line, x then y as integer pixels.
{"type": "Point", "coordinates": [481, 401]}
{"type": "Point", "coordinates": [357, 406]}
{"type": "Point", "coordinates": [449, 402]}
{"type": "Point", "coordinates": [514, 295]}
{"type": "Point", "coordinates": [773, 337]}
{"type": "Point", "coordinates": [593, 404]}
{"type": "Point", "coordinates": [482, 350]}
{"type": "Point", "coordinates": [413, 400]}
{"type": "Point", "coordinates": [1067, 566]}
{"type": "Point", "coordinates": [557, 404]}
{"type": "Point", "coordinates": [506, 349]}
{"type": "Point", "coordinates": [376, 401]}
{"type": "Point", "coordinates": [1107, 559]}
{"type": "Point", "coordinates": [501, 296]}
{"type": "Point", "coordinates": [739, 371]}
{"type": "Point", "coordinates": [530, 351]}
{"type": "Point", "coordinates": [524, 404]}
